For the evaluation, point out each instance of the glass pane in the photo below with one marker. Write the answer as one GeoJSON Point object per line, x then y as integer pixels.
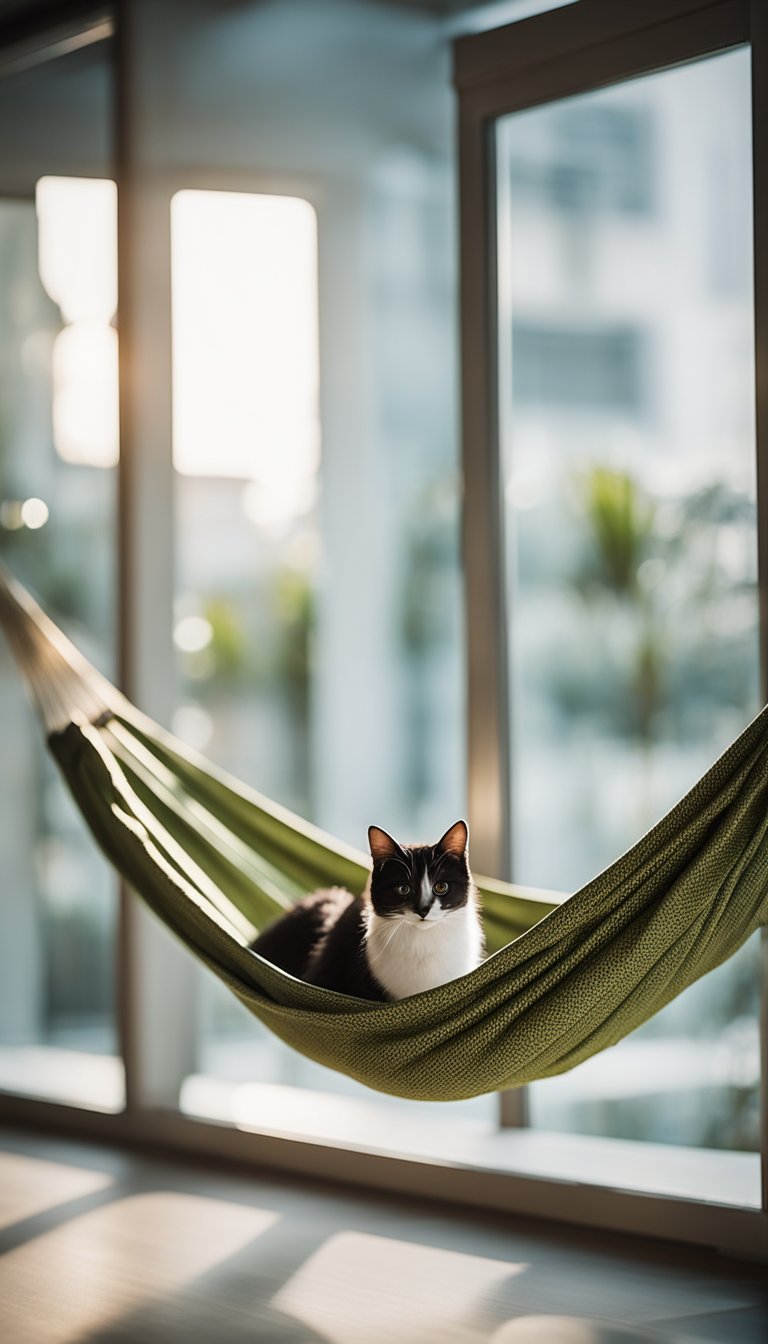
{"type": "Point", "coordinates": [58, 448]}
{"type": "Point", "coordinates": [318, 621]}
{"type": "Point", "coordinates": [627, 410]}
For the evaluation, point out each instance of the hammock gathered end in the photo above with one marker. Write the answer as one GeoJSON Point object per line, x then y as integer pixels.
{"type": "Point", "coordinates": [217, 862]}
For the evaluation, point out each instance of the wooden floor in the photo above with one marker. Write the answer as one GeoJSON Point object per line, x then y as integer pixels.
{"type": "Point", "coordinates": [106, 1246]}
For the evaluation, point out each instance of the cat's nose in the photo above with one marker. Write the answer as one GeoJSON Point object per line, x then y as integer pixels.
{"type": "Point", "coordinates": [423, 913]}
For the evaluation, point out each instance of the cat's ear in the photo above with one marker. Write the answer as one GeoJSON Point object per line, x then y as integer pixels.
{"type": "Point", "coordinates": [382, 845]}
{"type": "Point", "coordinates": [455, 840]}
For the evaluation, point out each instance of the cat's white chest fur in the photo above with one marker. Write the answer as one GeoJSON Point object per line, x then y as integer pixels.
{"type": "Point", "coordinates": [408, 956]}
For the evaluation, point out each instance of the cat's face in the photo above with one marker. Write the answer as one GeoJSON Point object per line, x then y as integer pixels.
{"type": "Point", "coordinates": [420, 883]}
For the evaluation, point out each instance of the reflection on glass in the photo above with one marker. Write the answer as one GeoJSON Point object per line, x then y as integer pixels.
{"type": "Point", "coordinates": [58, 430]}
{"type": "Point", "coordinates": [627, 393]}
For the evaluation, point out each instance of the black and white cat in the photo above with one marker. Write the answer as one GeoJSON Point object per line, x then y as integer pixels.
{"type": "Point", "coordinates": [417, 925]}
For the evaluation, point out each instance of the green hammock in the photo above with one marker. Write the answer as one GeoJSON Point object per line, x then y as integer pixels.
{"type": "Point", "coordinates": [217, 862]}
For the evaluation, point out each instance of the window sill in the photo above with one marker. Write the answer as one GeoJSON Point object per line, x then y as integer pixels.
{"type": "Point", "coordinates": [729, 1179]}
{"type": "Point", "coordinates": [54, 1073]}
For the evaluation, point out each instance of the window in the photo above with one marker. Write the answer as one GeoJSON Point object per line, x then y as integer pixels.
{"type": "Point", "coordinates": [634, 641]}
{"type": "Point", "coordinates": [288, 652]}
{"type": "Point", "coordinates": [318, 588]}
{"type": "Point", "coordinates": [617, 603]}
{"type": "Point", "coordinates": [58, 450]}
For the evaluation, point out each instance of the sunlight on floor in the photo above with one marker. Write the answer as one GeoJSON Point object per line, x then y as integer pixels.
{"type": "Point", "coordinates": [567, 1330]}
{"type": "Point", "coordinates": [128, 1255]}
{"type": "Point", "coordinates": [29, 1187]}
{"type": "Point", "coordinates": [429, 1293]}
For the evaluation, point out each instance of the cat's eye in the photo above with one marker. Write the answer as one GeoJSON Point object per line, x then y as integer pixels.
{"type": "Point", "coordinates": [403, 890]}
{"type": "Point", "coordinates": [440, 888]}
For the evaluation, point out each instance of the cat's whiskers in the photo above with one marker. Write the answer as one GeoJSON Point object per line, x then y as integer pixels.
{"type": "Point", "coordinates": [391, 934]}
{"type": "Point", "coordinates": [382, 946]}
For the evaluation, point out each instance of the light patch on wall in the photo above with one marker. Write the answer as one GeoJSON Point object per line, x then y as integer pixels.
{"type": "Point", "coordinates": [245, 347]}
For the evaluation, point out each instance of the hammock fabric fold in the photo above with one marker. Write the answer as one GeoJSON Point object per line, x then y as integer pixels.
{"type": "Point", "coordinates": [217, 862]}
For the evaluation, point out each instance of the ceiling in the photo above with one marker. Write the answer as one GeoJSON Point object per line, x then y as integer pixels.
{"type": "Point", "coordinates": [24, 9]}
{"type": "Point", "coordinates": [12, 9]}
{"type": "Point", "coordinates": [22, 20]}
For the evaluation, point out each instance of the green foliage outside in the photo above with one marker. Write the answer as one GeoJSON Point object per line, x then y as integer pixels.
{"type": "Point", "coordinates": [676, 628]}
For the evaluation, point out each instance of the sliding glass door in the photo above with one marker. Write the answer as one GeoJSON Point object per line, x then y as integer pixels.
{"type": "Point", "coordinates": [626, 388]}
{"type": "Point", "coordinates": [609, 374]}
{"type": "Point", "coordinates": [297, 423]}
{"type": "Point", "coordinates": [58, 455]}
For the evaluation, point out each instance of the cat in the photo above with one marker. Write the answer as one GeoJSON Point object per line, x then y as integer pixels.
{"type": "Point", "coordinates": [417, 924]}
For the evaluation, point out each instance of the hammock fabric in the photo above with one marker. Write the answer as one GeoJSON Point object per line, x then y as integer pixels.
{"type": "Point", "coordinates": [217, 862]}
